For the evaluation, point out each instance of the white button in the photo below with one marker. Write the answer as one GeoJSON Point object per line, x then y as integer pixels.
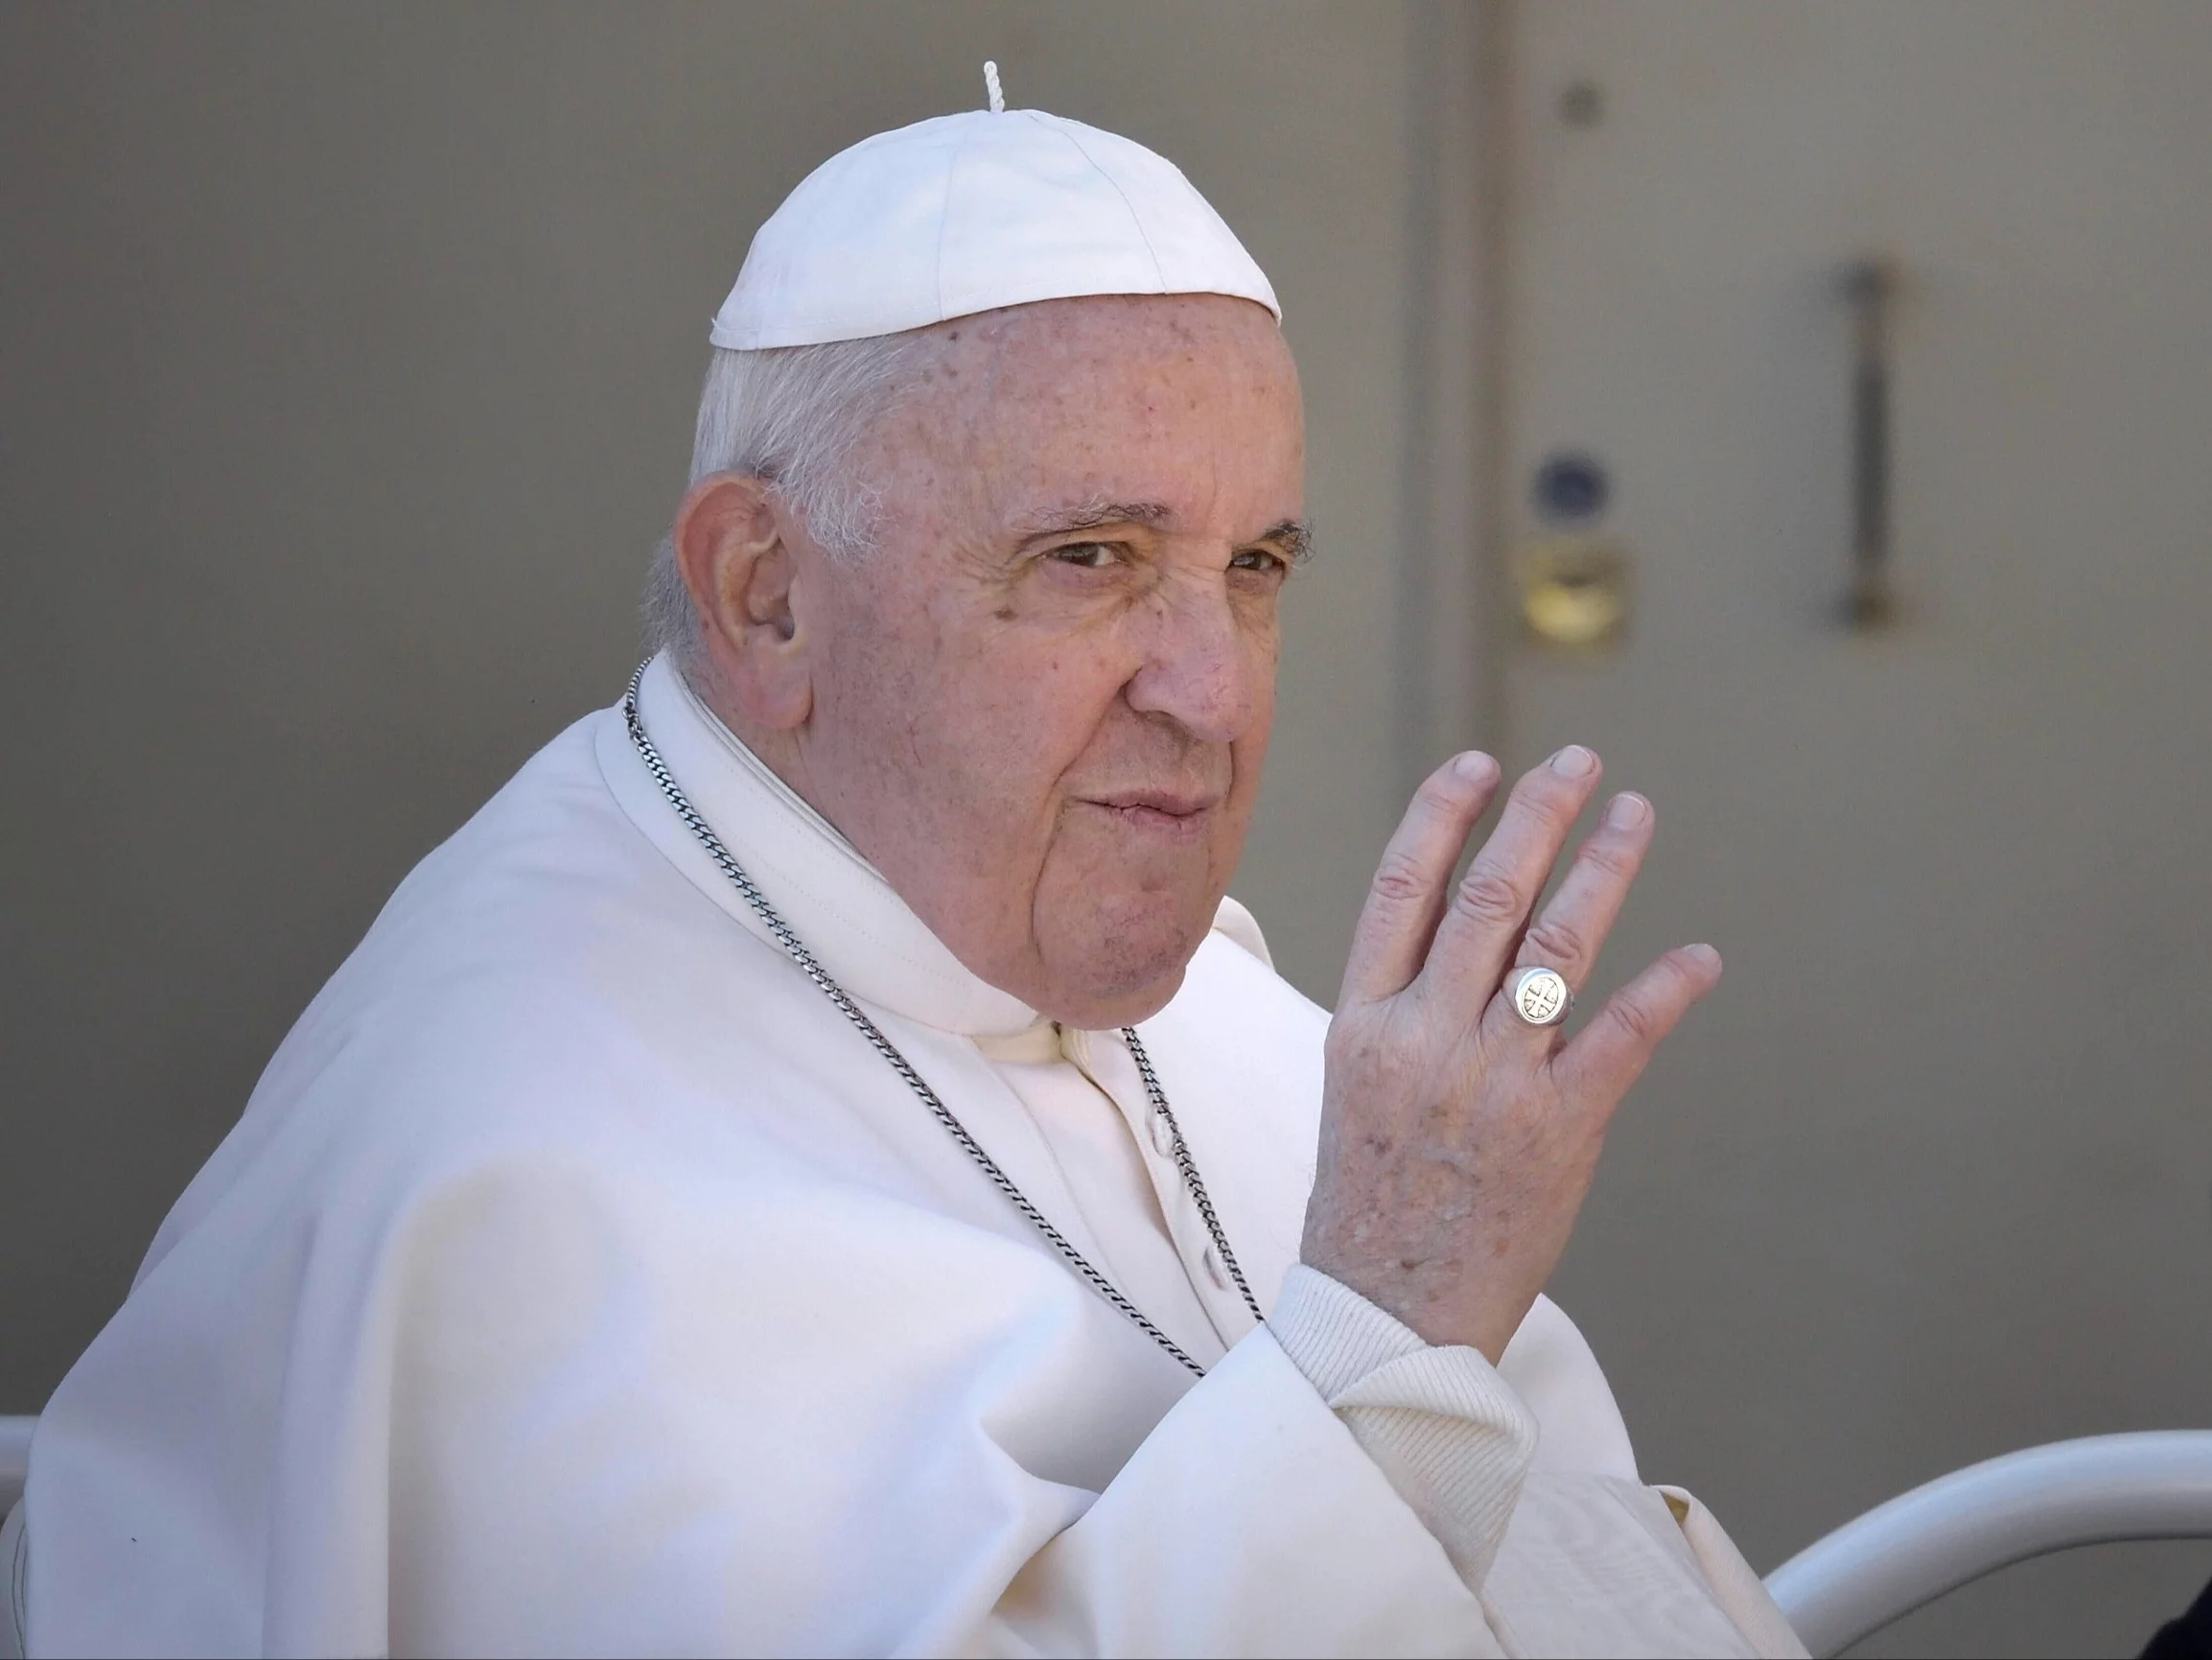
{"type": "Point", "coordinates": [1214, 1271]}
{"type": "Point", "coordinates": [1163, 1144]}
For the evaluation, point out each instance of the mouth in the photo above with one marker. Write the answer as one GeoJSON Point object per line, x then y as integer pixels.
{"type": "Point", "coordinates": [1156, 812]}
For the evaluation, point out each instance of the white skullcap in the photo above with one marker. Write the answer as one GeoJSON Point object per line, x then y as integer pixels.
{"type": "Point", "coordinates": [967, 213]}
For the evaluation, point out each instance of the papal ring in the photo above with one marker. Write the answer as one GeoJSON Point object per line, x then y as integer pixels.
{"type": "Point", "coordinates": [1540, 996]}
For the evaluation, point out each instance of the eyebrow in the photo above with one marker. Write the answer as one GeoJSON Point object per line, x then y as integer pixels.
{"type": "Point", "coordinates": [1295, 535]}
{"type": "Point", "coordinates": [1090, 515]}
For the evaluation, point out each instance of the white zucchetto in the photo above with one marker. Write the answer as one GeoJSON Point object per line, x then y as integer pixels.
{"type": "Point", "coordinates": [967, 213]}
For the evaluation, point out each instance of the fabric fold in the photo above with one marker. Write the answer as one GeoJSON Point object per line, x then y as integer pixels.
{"type": "Point", "coordinates": [1454, 1439]}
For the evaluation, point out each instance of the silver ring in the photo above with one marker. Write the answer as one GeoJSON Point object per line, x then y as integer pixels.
{"type": "Point", "coordinates": [1540, 996]}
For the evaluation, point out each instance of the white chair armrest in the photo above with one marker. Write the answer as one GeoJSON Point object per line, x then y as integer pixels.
{"type": "Point", "coordinates": [1956, 1529]}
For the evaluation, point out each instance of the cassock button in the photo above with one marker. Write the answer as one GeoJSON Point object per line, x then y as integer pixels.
{"type": "Point", "coordinates": [1214, 1271]}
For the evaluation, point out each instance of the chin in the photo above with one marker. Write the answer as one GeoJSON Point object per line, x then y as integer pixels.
{"type": "Point", "coordinates": [1129, 970]}
{"type": "Point", "coordinates": [1101, 1008]}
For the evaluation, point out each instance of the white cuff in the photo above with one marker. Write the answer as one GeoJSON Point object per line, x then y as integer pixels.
{"type": "Point", "coordinates": [1454, 1439]}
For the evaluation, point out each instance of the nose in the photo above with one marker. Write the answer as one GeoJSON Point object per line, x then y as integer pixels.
{"type": "Point", "coordinates": [1200, 670]}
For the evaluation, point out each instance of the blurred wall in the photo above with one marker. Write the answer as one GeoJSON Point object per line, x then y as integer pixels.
{"type": "Point", "coordinates": [350, 359]}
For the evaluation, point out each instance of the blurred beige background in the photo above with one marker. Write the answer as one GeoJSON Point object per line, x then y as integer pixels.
{"type": "Point", "coordinates": [347, 358]}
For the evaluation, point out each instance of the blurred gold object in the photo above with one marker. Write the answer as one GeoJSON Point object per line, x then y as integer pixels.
{"type": "Point", "coordinates": [1573, 590]}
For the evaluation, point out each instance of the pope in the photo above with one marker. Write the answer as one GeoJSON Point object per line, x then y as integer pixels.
{"type": "Point", "coordinates": [818, 1164]}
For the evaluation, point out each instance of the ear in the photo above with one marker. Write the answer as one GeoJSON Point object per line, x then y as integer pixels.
{"type": "Point", "coordinates": [733, 550]}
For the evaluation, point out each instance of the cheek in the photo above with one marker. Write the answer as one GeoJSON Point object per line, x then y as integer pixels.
{"type": "Point", "coordinates": [1033, 718]}
{"type": "Point", "coordinates": [1251, 747]}
{"type": "Point", "coordinates": [870, 679]}
{"type": "Point", "coordinates": [983, 721]}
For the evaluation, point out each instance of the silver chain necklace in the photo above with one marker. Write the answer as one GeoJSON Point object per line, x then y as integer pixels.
{"type": "Point", "coordinates": [795, 949]}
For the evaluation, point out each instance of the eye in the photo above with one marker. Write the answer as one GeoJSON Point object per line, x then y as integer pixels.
{"type": "Point", "coordinates": [1088, 555]}
{"type": "Point", "coordinates": [1265, 560]}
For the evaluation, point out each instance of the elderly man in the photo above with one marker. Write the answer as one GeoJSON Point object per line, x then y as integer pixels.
{"type": "Point", "coordinates": [818, 1165]}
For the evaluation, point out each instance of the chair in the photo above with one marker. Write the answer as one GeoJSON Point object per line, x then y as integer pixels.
{"type": "Point", "coordinates": [1957, 1527]}
{"type": "Point", "coordinates": [14, 1469]}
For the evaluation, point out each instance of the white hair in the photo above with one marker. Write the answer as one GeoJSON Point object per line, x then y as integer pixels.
{"type": "Point", "coordinates": [791, 415]}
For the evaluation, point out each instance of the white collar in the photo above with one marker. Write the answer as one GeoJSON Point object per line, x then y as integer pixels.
{"type": "Point", "coordinates": [862, 933]}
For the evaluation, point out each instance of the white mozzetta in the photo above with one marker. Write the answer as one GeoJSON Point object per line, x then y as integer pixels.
{"type": "Point", "coordinates": [577, 1280]}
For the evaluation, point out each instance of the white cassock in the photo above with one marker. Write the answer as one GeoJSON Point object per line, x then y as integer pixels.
{"type": "Point", "coordinates": [580, 1280]}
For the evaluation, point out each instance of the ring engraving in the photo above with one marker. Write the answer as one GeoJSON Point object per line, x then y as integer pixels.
{"type": "Point", "coordinates": [1540, 996]}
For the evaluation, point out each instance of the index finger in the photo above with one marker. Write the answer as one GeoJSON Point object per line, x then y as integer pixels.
{"type": "Point", "coordinates": [1406, 898]}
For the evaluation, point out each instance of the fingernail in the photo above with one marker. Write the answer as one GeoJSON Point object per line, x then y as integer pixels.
{"type": "Point", "coordinates": [1705, 956]}
{"type": "Point", "coordinates": [1627, 811]}
{"type": "Point", "coordinates": [1473, 766]}
{"type": "Point", "coordinates": [1573, 761]}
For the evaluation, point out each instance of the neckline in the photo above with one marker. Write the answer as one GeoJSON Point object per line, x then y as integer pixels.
{"type": "Point", "coordinates": [853, 920]}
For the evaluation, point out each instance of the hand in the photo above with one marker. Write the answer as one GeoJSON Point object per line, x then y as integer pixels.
{"type": "Point", "coordinates": [1457, 1141]}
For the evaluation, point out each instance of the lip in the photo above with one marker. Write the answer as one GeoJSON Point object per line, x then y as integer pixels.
{"type": "Point", "coordinates": [1155, 809]}
{"type": "Point", "coordinates": [1175, 803]}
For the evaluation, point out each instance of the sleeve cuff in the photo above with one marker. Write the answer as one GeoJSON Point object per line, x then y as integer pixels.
{"type": "Point", "coordinates": [1450, 1434]}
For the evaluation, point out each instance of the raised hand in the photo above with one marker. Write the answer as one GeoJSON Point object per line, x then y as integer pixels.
{"type": "Point", "coordinates": [1457, 1141]}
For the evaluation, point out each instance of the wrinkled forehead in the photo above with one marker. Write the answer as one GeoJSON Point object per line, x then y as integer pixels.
{"type": "Point", "coordinates": [1053, 342]}
{"type": "Point", "coordinates": [1190, 403]}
